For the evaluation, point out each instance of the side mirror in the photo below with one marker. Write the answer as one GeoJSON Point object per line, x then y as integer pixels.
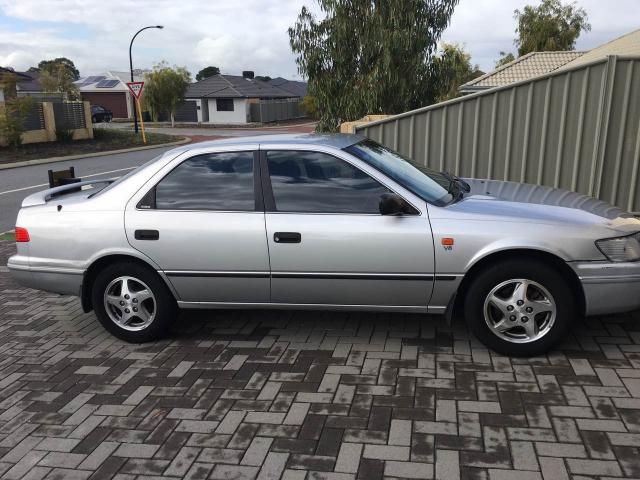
{"type": "Point", "coordinates": [393, 204]}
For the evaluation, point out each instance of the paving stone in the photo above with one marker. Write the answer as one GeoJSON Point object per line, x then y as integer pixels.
{"type": "Point", "coordinates": [308, 395]}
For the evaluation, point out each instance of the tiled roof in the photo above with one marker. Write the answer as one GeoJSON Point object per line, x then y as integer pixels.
{"type": "Point", "coordinates": [233, 86]}
{"type": "Point", "coordinates": [292, 86]}
{"type": "Point", "coordinates": [528, 66]}
{"type": "Point", "coordinates": [628, 44]}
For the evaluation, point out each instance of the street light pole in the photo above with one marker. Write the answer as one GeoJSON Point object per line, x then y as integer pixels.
{"type": "Point", "coordinates": [135, 113]}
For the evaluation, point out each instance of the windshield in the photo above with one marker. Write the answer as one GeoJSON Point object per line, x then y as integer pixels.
{"type": "Point", "coordinates": [422, 181]}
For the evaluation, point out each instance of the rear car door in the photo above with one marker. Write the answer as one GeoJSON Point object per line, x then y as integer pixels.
{"type": "Point", "coordinates": [202, 222]}
{"type": "Point", "coordinates": [328, 243]}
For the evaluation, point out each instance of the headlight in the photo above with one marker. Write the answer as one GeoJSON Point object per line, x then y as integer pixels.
{"type": "Point", "coordinates": [621, 249]}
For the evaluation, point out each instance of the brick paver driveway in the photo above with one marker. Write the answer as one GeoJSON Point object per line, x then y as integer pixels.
{"type": "Point", "coordinates": [238, 394]}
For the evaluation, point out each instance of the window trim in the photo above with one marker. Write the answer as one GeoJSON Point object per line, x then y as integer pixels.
{"type": "Point", "coordinates": [257, 186]}
{"type": "Point", "coordinates": [269, 199]}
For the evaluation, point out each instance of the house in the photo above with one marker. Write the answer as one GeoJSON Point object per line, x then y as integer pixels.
{"type": "Point", "coordinates": [28, 85]}
{"type": "Point", "coordinates": [523, 68]}
{"type": "Point", "coordinates": [228, 99]}
{"type": "Point", "coordinates": [292, 86]}
{"type": "Point", "coordinates": [535, 64]}
{"type": "Point", "coordinates": [110, 91]}
{"type": "Point", "coordinates": [628, 44]}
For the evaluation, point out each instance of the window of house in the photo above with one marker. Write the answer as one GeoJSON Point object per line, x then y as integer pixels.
{"type": "Point", "coordinates": [315, 182]}
{"type": "Point", "coordinates": [218, 181]}
{"type": "Point", "coordinates": [224, 104]}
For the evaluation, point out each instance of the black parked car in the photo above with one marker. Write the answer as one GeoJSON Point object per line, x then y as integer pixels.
{"type": "Point", "coordinates": [100, 114]}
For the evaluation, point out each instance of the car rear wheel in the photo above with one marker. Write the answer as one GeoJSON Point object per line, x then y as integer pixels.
{"type": "Point", "coordinates": [520, 308]}
{"type": "Point", "coordinates": [133, 303]}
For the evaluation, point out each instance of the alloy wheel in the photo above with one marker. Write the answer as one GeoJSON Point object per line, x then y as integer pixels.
{"type": "Point", "coordinates": [520, 311]}
{"type": "Point", "coordinates": [130, 303]}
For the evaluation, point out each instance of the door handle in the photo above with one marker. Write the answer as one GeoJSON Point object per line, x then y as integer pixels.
{"type": "Point", "coordinates": [287, 237]}
{"type": "Point", "coordinates": [146, 234]}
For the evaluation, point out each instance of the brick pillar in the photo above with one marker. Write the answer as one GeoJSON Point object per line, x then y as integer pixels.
{"type": "Point", "coordinates": [49, 121]}
{"type": "Point", "coordinates": [87, 119]}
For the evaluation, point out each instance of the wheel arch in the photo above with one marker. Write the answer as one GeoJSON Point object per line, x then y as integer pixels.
{"type": "Point", "coordinates": [519, 254]}
{"type": "Point", "coordinates": [100, 263]}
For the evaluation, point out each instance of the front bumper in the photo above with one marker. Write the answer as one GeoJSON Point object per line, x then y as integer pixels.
{"type": "Point", "coordinates": [609, 287]}
{"type": "Point", "coordinates": [65, 281]}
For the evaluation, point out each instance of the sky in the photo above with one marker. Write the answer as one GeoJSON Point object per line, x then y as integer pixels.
{"type": "Point", "coordinates": [237, 35]}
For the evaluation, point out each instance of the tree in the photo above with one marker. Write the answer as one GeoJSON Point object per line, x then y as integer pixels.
{"type": "Point", "coordinates": [57, 77]}
{"type": "Point", "coordinates": [309, 106]}
{"type": "Point", "coordinates": [551, 26]}
{"type": "Point", "coordinates": [14, 113]}
{"type": "Point", "coordinates": [54, 65]}
{"type": "Point", "coordinates": [164, 89]}
{"type": "Point", "coordinates": [264, 78]}
{"type": "Point", "coordinates": [505, 57]}
{"type": "Point", "coordinates": [368, 56]}
{"type": "Point", "coordinates": [450, 69]}
{"type": "Point", "coordinates": [207, 72]}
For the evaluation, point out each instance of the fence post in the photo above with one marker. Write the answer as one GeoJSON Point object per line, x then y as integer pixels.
{"type": "Point", "coordinates": [49, 121]}
{"type": "Point", "coordinates": [88, 125]}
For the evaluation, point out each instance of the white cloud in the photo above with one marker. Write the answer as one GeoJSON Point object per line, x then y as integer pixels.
{"type": "Point", "coordinates": [234, 35]}
{"type": "Point", "coordinates": [487, 27]}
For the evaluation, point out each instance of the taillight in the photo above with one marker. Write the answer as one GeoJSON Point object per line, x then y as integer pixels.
{"type": "Point", "coordinates": [22, 235]}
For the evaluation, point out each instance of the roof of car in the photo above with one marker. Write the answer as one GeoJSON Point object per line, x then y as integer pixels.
{"type": "Point", "coordinates": [336, 140]}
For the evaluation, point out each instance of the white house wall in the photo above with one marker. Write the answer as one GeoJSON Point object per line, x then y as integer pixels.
{"type": "Point", "coordinates": [239, 114]}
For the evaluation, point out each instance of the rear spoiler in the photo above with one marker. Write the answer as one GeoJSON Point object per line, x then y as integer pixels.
{"type": "Point", "coordinates": [41, 198]}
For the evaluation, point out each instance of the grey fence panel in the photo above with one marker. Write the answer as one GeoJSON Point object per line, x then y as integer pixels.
{"type": "Point", "coordinates": [575, 129]}
{"type": "Point", "coordinates": [273, 111]}
{"type": "Point", "coordinates": [35, 118]}
{"type": "Point", "coordinates": [69, 115]}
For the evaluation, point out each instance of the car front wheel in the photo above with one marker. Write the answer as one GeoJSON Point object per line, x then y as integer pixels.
{"type": "Point", "coordinates": [133, 303]}
{"type": "Point", "coordinates": [519, 307]}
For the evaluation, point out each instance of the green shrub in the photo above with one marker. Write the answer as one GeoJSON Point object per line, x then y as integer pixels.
{"type": "Point", "coordinates": [12, 118]}
{"type": "Point", "coordinates": [64, 134]}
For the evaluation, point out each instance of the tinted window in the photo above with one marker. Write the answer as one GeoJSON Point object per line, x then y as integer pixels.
{"type": "Point", "coordinates": [220, 181]}
{"type": "Point", "coordinates": [319, 183]}
{"type": "Point", "coordinates": [224, 104]}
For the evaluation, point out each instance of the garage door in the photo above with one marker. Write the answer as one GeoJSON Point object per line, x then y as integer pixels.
{"type": "Point", "coordinates": [187, 112]}
{"type": "Point", "coordinates": [116, 102]}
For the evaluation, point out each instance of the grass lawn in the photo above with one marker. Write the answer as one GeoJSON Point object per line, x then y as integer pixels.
{"type": "Point", "coordinates": [104, 140]}
{"type": "Point", "coordinates": [8, 237]}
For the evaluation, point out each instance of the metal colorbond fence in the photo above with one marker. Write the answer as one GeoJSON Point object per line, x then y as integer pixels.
{"type": "Point", "coordinates": [275, 110]}
{"type": "Point", "coordinates": [69, 115]}
{"type": "Point", "coordinates": [576, 129]}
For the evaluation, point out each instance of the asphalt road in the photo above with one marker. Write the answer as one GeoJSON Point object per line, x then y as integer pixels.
{"type": "Point", "coordinates": [17, 183]}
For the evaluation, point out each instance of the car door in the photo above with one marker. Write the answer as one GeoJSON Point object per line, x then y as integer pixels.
{"type": "Point", "coordinates": [203, 223]}
{"type": "Point", "coordinates": [328, 243]}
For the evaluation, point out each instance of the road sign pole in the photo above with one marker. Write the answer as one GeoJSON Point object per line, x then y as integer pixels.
{"type": "Point", "coordinates": [136, 90]}
{"type": "Point", "coordinates": [144, 137]}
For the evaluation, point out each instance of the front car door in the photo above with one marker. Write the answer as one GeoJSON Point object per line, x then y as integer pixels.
{"type": "Point", "coordinates": [201, 221]}
{"type": "Point", "coordinates": [328, 243]}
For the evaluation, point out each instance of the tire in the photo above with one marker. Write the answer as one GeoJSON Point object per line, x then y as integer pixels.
{"type": "Point", "coordinates": [140, 317]}
{"type": "Point", "coordinates": [542, 320]}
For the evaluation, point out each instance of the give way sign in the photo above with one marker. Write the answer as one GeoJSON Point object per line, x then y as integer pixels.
{"type": "Point", "coordinates": [135, 88]}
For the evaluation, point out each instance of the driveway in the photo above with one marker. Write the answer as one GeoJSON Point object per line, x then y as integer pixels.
{"type": "Point", "coordinates": [315, 395]}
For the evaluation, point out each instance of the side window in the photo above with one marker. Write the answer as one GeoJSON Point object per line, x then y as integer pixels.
{"type": "Point", "coordinates": [313, 182]}
{"type": "Point", "coordinates": [217, 181]}
{"type": "Point", "coordinates": [224, 104]}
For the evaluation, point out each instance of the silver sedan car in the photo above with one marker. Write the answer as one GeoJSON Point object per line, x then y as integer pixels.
{"type": "Point", "coordinates": [328, 222]}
